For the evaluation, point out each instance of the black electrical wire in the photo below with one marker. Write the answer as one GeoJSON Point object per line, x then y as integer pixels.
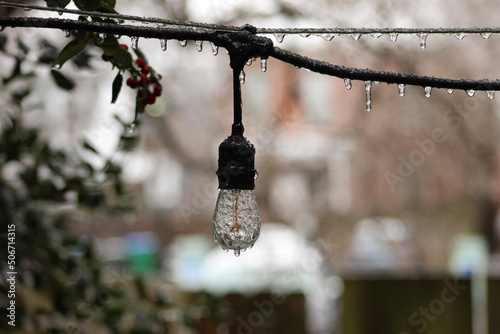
{"type": "Point", "coordinates": [225, 38]}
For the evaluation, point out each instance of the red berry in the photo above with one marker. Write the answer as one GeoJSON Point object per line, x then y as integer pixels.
{"type": "Point", "coordinates": [145, 69]}
{"type": "Point", "coordinates": [151, 99]}
{"type": "Point", "coordinates": [104, 57]}
{"type": "Point", "coordinates": [157, 90]}
{"type": "Point", "coordinates": [144, 79]}
{"type": "Point", "coordinates": [159, 76]}
{"type": "Point", "coordinates": [125, 46]}
{"type": "Point", "coordinates": [132, 82]}
{"type": "Point", "coordinates": [140, 62]}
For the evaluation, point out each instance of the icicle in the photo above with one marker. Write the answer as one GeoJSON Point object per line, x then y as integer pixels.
{"type": "Point", "coordinates": [199, 46]}
{"type": "Point", "coordinates": [183, 43]}
{"type": "Point", "coordinates": [237, 252]}
{"type": "Point", "coordinates": [347, 83]}
{"type": "Point", "coordinates": [449, 90]}
{"type": "Point", "coordinates": [67, 33]}
{"type": "Point", "coordinates": [401, 90]}
{"type": "Point", "coordinates": [393, 37]}
{"type": "Point", "coordinates": [279, 37]}
{"type": "Point", "coordinates": [242, 77]}
{"type": "Point", "coordinates": [215, 49]}
{"type": "Point", "coordinates": [368, 90]}
{"type": "Point", "coordinates": [490, 94]}
{"type": "Point", "coordinates": [356, 36]}
{"type": "Point", "coordinates": [423, 40]}
{"type": "Point", "coordinates": [376, 82]}
{"type": "Point", "coordinates": [305, 35]}
{"type": "Point", "coordinates": [263, 64]}
{"type": "Point", "coordinates": [460, 36]}
{"type": "Point", "coordinates": [486, 35]}
{"type": "Point", "coordinates": [134, 42]}
{"type": "Point", "coordinates": [376, 35]}
{"type": "Point", "coordinates": [428, 90]}
{"type": "Point", "coordinates": [328, 37]}
{"type": "Point", "coordinates": [470, 92]}
{"type": "Point", "coordinates": [163, 44]}
{"type": "Point", "coordinates": [249, 62]}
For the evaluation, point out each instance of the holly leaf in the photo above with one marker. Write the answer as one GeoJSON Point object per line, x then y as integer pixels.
{"type": "Point", "coordinates": [110, 45]}
{"type": "Point", "coordinates": [86, 145]}
{"type": "Point", "coordinates": [57, 3]}
{"type": "Point", "coordinates": [108, 6]}
{"type": "Point", "coordinates": [61, 80]}
{"type": "Point", "coordinates": [91, 5]}
{"type": "Point", "coordinates": [69, 51]}
{"type": "Point", "coordinates": [122, 59]}
{"type": "Point", "coordinates": [117, 86]}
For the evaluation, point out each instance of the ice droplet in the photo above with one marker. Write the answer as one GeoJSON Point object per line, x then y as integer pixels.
{"type": "Point", "coordinates": [183, 43]}
{"type": "Point", "coordinates": [199, 46]}
{"type": "Point", "coordinates": [393, 37]}
{"type": "Point", "coordinates": [490, 94]}
{"type": "Point", "coordinates": [67, 33]}
{"type": "Point", "coordinates": [401, 90]}
{"type": "Point", "coordinates": [163, 44]}
{"type": "Point", "coordinates": [328, 37]}
{"type": "Point", "coordinates": [460, 36]}
{"type": "Point", "coordinates": [305, 35]}
{"type": "Point", "coordinates": [134, 42]}
{"type": "Point", "coordinates": [279, 37]}
{"type": "Point", "coordinates": [2, 28]}
{"type": "Point", "coordinates": [347, 83]}
{"type": "Point", "coordinates": [242, 77]}
{"type": "Point", "coordinates": [215, 49]}
{"type": "Point", "coordinates": [449, 90]}
{"type": "Point", "coordinates": [249, 62]}
{"type": "Point", "coordinates": [428, 90]}
{"type": "Point", "coordinates": [423, 40]}
{"type": "Point", "coordinates": [376, 35]}
{"type": "Point", "coordinates": [237, 252]}
{"type": "Point", "coordinates": [356, 36]}
{"type": "Point", "coordinates": [102, 36]}
{"type": "Point", "coordinates": [376, 82]}
{"type": "Point", "coordinates": [470, 92]}
{"type": "Point", "coordinates": [368, 90]}
{"type": "Point", "coordinates": [263, 64]}
{"type": "Point", "coordinates": [129, 130]}
{"type": "Point", "coordinates": [486, 35]}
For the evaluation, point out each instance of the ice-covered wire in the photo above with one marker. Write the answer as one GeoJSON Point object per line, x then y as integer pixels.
{"type": "Point", "coordinates": [284, 31]}
{"type": "Point", "coordinates": [220, 38]}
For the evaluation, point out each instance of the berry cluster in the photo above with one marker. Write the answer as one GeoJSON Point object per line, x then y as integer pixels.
{"type": "Point", "coordinates": [148, 85]}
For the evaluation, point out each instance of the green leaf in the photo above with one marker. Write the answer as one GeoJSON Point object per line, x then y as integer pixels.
{"type": "Point", "coordinates": [61, 80]}
{"type": "Point", "coordinates": [110, 45]}
{"type": "Point", "coordinates": [91, 5]}
{"type": "Point", "coordinates": [57, 3]}
{"type": "Point", "coordinates": [70, 50]}
{"type": "Point", "coordinates": [122, 59]}
{"type": "Point", "coordinates": [108, 6]}
{"type": "Point", "coordinates": [86, 145]}
{"type": "Point", "coordinates": [117, 86]}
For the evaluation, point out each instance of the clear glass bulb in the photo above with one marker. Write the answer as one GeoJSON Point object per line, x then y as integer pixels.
{"type": "Point", "coordinates": [236, 223]}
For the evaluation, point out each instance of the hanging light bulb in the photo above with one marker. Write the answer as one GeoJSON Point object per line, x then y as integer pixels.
{"type": "Point", "coordinates": [236, 222]}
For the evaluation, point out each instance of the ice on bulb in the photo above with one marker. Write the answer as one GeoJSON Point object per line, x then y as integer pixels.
{"type": "Point", "coordinates": [236, 223]}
